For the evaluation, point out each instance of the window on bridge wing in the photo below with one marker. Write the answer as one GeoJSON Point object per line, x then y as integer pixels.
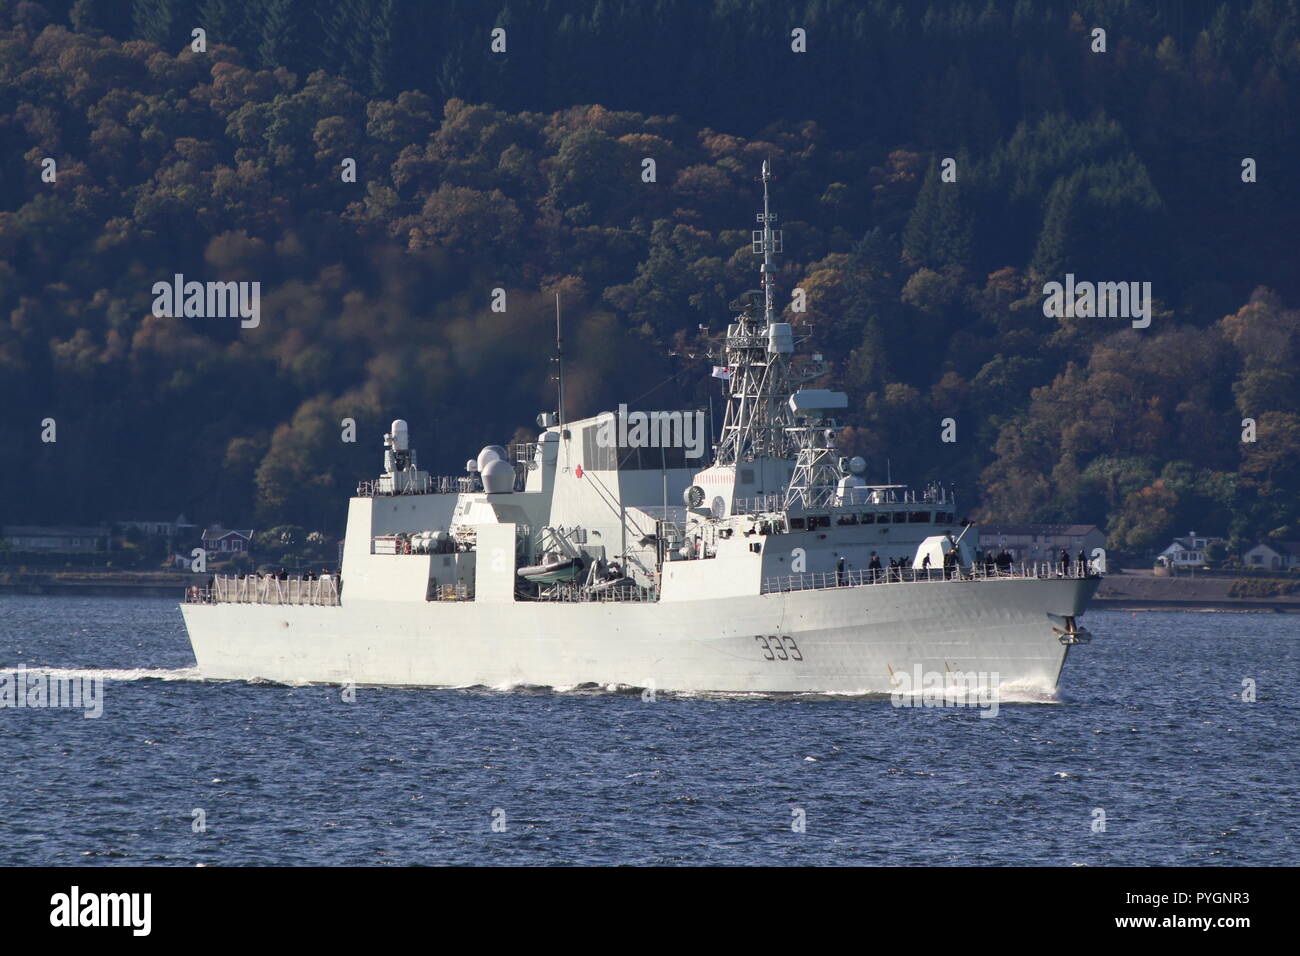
{"type": "Point", "coordinates": [629, 458]}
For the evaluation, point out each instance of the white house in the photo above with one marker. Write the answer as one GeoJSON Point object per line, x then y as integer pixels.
{"type": "Point", "coordinates": [56, 538]}
{"type": "Point", "coordinates": [168, 528]}
{"type": "Point", "coordinates": [219, 540]}
{"type": "Point", "coordinates": [1188, 552]}
{"type": "Point", "coordinates": [1275, 557]}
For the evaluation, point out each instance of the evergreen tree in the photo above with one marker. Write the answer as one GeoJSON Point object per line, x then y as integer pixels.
{"type": "Point", "coordinates": [156, 21]}
{"type": "Point", "coordinates": [225, 22]}
{"type": "Point", "coordinates": [382, 46]}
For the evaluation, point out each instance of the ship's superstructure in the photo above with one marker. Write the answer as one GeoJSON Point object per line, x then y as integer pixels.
{"type": "Point", "coordinates": [606, 553]}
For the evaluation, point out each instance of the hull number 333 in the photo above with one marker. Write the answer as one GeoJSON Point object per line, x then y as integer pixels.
{"type": "Point", "coordinates": [778, 648]}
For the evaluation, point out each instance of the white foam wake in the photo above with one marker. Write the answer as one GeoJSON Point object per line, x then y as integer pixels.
{"type": "Point", "coordinates": [113, 673]}
{"type": "Point", "coordinates": [1027, 691]}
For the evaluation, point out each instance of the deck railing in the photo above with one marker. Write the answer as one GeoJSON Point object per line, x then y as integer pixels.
{"type": "Point", "coordinates": [264, 589]}
{"type": "Point", "coordinates": [437, 485]}
{"type": "Point", "coordinates": [449, 592]}
{"type": "Point", "coordinates": [324, 592]}
{"type": "Point", "coordinates": [426, 485]}
{"type": "Point", "coordinates": [858, 577]}
{"type": "Point", "coordinates": [586, 595]}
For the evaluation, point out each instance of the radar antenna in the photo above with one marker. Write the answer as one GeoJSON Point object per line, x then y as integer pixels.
{"type": "Point", "coordinates": [768, 242]}
{"type": "Point", "coordinates": [559, 364]}
{"type": "Point", "coordinates": [758, 352]}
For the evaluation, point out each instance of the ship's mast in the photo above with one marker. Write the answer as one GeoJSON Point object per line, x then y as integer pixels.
{"type": "Point", "coordinates": [559, 365]}
{"type": "Point", "coordinates": [771, 243]}
{"type": "Point", "coordinates": [758, 351]}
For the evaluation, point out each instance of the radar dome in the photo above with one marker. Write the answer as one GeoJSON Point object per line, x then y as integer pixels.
{"type": "Point", "coordinates": [498, 476]}
{"type": "Point", "coordinates": [490, 453]}
{"type": "Point", "coordinates": [401, 438]}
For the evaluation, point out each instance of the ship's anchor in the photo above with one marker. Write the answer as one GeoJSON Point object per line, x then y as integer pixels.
{"type": "Point", "coordinates": [1073, 633]}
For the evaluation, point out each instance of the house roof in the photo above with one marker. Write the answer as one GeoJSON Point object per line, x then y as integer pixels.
{"type": "Point", "coordinates": [1048, 530]}
{"type": "Point", "coordinates": [179, 520]}
{"type": "Point", "coordinates": [216, 534]}
{"type": "Point", "coordinates": [1281, 547]}
{"type": "Point", "coordinates": [32, 530]}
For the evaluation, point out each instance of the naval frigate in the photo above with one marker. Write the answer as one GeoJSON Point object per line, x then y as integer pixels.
{"type": "Point", "coordinates": [603, 555]}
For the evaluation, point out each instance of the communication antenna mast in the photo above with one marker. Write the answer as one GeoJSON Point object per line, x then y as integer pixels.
{"type": "Point", "coordinates": [559, 363]}
{"type": "Point", "coordinates": [758, 354]}
{"type": "Point", "coordinates": [771, 242]}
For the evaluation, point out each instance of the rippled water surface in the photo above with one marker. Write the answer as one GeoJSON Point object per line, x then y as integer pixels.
{"type": "Point", "coordinates": [1149, 728]}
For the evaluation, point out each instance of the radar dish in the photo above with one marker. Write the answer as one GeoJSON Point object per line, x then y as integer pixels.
{"type": "Point", "coordinates": [719, 507]}
{"type": "Point", "coordinates": [693, 496]}
{"type": "Point", "coordinates": [490, 453]}
{"type": "Point", "coordinates": [498, 477]}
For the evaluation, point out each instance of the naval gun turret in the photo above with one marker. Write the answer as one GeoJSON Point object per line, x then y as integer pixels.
{"type": "Point", "coordinates": [401, 474]}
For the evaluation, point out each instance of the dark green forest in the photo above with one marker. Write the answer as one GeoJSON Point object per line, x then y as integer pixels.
{"type": "Point", "coordinates": [522, 170]}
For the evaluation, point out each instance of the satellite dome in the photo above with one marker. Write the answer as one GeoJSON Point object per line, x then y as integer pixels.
{"type": "Point", "coordinates": [498, 476]}
{"type": "Point", "coordinates": [472, 466]}
{"type": "Point", "coordinates": [857, 464]}
{"type": "Point", "coordinates": [490, 453]}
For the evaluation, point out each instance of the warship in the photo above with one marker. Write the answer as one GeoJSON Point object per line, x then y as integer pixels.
{"type": "Point", "coordinates": [605, 554]}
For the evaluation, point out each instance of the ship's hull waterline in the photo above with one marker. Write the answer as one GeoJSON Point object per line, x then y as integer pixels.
{"type": "Point", "coordinates": [851, 640]}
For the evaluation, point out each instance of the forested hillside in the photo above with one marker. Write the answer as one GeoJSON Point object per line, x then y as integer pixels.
{"type": "Point", "coordinates": [523, 170]}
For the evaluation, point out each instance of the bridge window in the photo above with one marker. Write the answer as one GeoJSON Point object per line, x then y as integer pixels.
{"type": "Point", "coordinates": [598, 457]}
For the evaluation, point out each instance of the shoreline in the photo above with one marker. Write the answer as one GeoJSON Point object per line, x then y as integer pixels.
{"type": "Point", "coordinates": [1217, 607]}
{"type": "Point", "coordinates": [121, 584]}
